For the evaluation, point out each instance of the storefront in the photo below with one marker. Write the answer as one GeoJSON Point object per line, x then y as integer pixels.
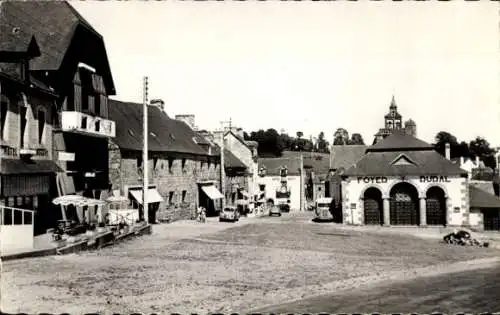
{"type": "Point", "coordinates": [403, 181]}
{"type": "Point", "coordinates": [30, 185]}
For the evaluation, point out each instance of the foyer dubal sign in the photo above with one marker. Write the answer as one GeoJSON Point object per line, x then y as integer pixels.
{"type": "Point", "coordinates": [383, 179]}
{"type": "Point", "coordinates": [434, 179]}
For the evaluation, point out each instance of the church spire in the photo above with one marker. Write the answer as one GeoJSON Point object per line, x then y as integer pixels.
{"type": "Point", "coordinates": [393, 103]}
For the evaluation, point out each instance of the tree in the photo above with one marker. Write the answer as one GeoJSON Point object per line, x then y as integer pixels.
{"type": "Point", "coordinates": [480, 147]}
{"type": "Point", "coordinates": [321, 143]}
{"type": "Point", "coordinates": [340, 137]}
{"type": "Point", "coordinates": [456, 149]}
{"type": "Point", "coordinates": [356, 139]}
{"type": "Point", "coordinates": [300, 134]}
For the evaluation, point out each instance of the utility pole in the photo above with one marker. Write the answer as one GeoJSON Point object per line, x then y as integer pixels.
{"type": "Point", "coordinates": [222, 168]}
{"type": "Point", "coordinates": [145, 180]}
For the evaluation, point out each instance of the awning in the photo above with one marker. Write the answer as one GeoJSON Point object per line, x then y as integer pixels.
{"type": "Point", "coordinates": [153, 195]}
{"type": "Point", "coordinates": [19, 167]}
{"type": "Point", "coordinates": [482, 199]}
{"type": "Point", "coordinates": [212, 192]}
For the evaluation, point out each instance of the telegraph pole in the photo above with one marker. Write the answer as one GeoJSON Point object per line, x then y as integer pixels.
{"type": "Point", "coordinates": [145, 180]}
{"type": "Point", "coordinates": [222, 168]}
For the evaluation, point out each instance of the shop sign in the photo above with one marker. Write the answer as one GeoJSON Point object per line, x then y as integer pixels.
{"type": "Point", "coordinates": [372, 179]}
{"type": "Point", "coordinates": [434, 179]}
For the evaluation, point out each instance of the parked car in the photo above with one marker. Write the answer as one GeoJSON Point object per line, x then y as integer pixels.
{"type": "Point", "coordinates": [230, 214]}
{"type": "Point", "coordinates": [275, 210]}
{"type": "Point", "coordinates": [323, 209]}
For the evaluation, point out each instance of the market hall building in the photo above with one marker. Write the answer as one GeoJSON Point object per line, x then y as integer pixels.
{"type": "Point", "coordinates": [402, 180]}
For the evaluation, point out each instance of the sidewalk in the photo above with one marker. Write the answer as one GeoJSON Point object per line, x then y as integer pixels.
{"type": "Point", "coordinates": [44, 246]}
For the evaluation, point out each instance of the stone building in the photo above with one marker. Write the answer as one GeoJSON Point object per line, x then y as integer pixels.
{"type": "Point", "coordinates": [393, 121]}
{"type": "Point", "coordinates": [74, 64]}
{"type": "Point", "coordinates": [184, 168]}
{"type": "Point", "coordinates": [317, 169]}
{"type": "Point", "coordinates": [402, 180]}
{"type": "Point", "coordinates": [27, 109]}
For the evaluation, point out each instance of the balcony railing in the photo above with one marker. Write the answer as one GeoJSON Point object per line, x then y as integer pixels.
{"type": "Point", "coordinates": [82, 123]}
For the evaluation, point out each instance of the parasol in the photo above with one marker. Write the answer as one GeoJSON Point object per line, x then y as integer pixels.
{"type": "Point", "coordinates": [77, 200]}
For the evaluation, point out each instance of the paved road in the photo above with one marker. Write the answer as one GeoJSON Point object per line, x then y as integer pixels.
{"type": "Point", "coordinates": [472, 291]}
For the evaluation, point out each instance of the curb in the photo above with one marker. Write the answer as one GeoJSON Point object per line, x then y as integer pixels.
{"type": "Point", "coordinates": [104, 240]}
{"type": "Point", "coordinates": [37, 253]}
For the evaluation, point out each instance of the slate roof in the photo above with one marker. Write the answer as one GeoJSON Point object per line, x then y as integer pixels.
{"type": "Point", "coordinates": [17, 166]}
{"type": "Point", "coordinates": [479, 198]}
{"type": "Point", "coordinates": [345, 156]}
{"type": "Point", "coordinates": [230, 160]}
{"type": "Point", "coordinates": [426, 163]}
{"type": "Point", "coordinates": [319, 163]}
{"type": "Point", "coordinates": [17, 40]}
{"type": "Point", "coordinates": [53, 23]}
{"type": "Point", "coordinates": [400, 141]}
{"type": "Point", "coordinates": [165, 134]}
{"type": "Point", "coordinates": [274, 165]}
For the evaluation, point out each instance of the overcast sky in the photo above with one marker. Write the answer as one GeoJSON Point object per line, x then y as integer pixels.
{"type": "Point", "coordinates": [310, 66]}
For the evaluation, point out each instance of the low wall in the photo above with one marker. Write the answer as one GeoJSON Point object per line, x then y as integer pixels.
{"type": "Point", "coordinates": [15, 237]}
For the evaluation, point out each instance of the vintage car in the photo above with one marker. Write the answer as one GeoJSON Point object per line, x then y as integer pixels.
{"type": "Point", "coordinates": [323, 209]}
{"type": "Point", "coordinates": [274, 210]}
{"type": "Point", "coordinates": [230, 214]}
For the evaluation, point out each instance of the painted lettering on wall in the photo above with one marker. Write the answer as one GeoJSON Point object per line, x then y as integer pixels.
{"type": "Point", "coordinates": [434, 179]}
{"type": "Point", "coordinates": [372, 179]}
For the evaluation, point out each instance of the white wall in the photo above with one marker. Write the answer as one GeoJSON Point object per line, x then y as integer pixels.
{"type": "Point", "coordinates": [16, 237]}
{"type": "Point", "coordinates": [476, 218]}
{"type": "Point", "coordinates": [455, 189]}
{"type": "Point", "coordinates": [274, 182]}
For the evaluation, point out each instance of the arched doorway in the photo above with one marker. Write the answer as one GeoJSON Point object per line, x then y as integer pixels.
{"type": "Point", "coordinates": [372, 204]}
{"type": "Point", "coordinates": [436, 206]}
{"type": "Point", "coordinates": [404, 205]}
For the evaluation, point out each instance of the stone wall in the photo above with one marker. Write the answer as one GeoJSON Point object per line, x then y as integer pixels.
{"type": "Point", "coordinates": [176, 183]}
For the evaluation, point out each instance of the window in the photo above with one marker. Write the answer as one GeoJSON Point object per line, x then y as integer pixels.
{"type": "Point", "coordinates": [84, 123]}
{"type": "Point", "coordinates": [97, 126]}
{"type": "Point", "coordinates": [41, 125]}
{"type": "Point", "coordinates": [3, 118]}
{"type": "Point", "coordinates": [184, 193]}
{"type": "Point", "coordinates": [183, 165]}
{"type": "Point", "coordinates": [139, 162]}
{"type": "Point", "coordinates": [170, 197]}
{"type": "Point", "coordinates": [262, 187]}
{"type": "Point", "coordinates": [155, 162]}
{"type": "Point", "coordinates": [170, 165]}
{"type": "Point", "coordinates": [97, 104]}
{"type": "Point", "coordinates": [23, 122]}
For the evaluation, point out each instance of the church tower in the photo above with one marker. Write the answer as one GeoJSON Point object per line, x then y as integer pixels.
{"type": "Point", "coordinates": [393, 118]}
{"type": "Point", "coordinates": [393, 121]}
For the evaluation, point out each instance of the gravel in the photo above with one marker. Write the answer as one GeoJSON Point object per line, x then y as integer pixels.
{"type": "Point", "coordinates": [216, 267]}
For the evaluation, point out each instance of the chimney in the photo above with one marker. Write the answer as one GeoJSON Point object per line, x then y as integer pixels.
{"type": "Point", "coordinates": [477, 161]}
{"type": "Point", "coordinates": [462, 161]}
{"type": "Point", "coordinates": [188, 119]}
{"type": "Point", "coordinates": [158, 103]}
{"type": "Point", "coordinates": [447, 151]}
